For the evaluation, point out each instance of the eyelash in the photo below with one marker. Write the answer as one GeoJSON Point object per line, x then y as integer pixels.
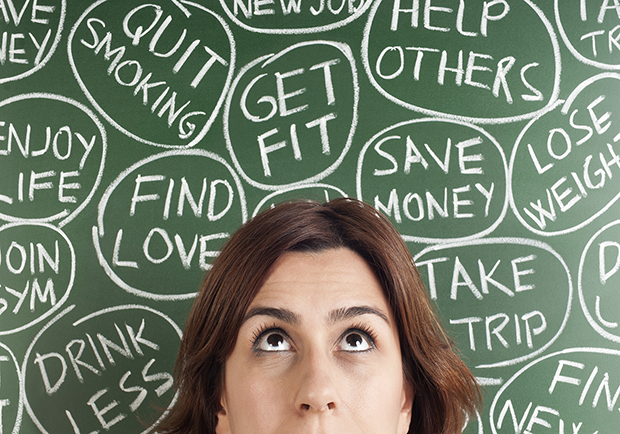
{"type": "Point", "coordinates": [364, 329]}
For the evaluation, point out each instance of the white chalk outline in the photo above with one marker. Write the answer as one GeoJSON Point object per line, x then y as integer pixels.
{"type": "Point", "coordinates": [565, 108]}
{"type": "Point", "coordinates": [428, 112]}
{"type": "Point", "coordinates": [52, 50]}
{"type": "Point", "coordinates": [269, 58]}
{"type": "Point", "coordinates": [176, 328]}
{"type": "Point", "coordinates": [297, 31]}
{"type": "Point", "coordinates": [66, 215]}
{"type": "Point", "coordinates": [522, 242]}
{"type": "Point", "coordinates": [580, 57]}
{"type": "Point", "coordinates": [98, 231]}
{"type": "Point", "coordinates": [298, 187]}
{"type": "Point", "coordinates": [126, 132]}
{"type": "Point", "coordinates": [585, 350]}
{"type": "Point", "coordinates": [20, 392]}
{"type": "Point", "coordinates": [431, 240]}
{"type": "Point", "coordinates": [64, 298]}
{"type": "Point", "coordinates": [593, 323]}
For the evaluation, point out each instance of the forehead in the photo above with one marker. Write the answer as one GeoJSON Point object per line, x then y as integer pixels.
{"type": "Point", "coordinates": [326, 279]}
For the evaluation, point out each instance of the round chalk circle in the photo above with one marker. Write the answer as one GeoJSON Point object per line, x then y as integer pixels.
{"type": "Point", "coordinates": [52, 150]}
{"type": "Point", "coordinates": [157, 71]}
{"type": "Point", "coordinates": [37, 270]}
{"type": "Point", "coordinates": [463, 62]}
{"type": "Point", "coordinates": [563, 168]}
{"type": "Point", "coordinates": [290, 117]}
{"type": "Point", "coordinates": [30, 36]}
{"type": "Point", "coordinates": [162, 221]}
{"type": "Point", "coordinates": [590, 31]}
{"type": "Point", "coordinates": [436, 180]}
{"type": "Point", "coordinates": [599, 279]}
{"type": "Point", "coordinates": [575, 390]}
{"type": "Point", "coordinates": [105, 371]}
{"type": "Point", "coordinates": [11, 392]}
{"type": "Point", "coordinates": [505, 300]}
{"type": "Point", "coordinates": [318, 192]}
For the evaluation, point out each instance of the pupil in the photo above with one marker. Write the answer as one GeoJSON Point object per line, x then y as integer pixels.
{"type": "Point", "coordinates": [275, 340]}
{"type": "Point", "coordinates": [354, 340]}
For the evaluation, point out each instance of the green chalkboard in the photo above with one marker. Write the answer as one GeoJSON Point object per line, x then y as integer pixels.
{"type": "Point", "coordinates": [136, 136]}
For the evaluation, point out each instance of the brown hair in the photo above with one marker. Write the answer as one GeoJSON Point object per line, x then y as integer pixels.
{"type": "Point", "coordinates": [446, 391]}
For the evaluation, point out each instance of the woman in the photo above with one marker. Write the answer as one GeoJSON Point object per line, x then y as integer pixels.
{"type": "Point", "coordinates": [314, 319]}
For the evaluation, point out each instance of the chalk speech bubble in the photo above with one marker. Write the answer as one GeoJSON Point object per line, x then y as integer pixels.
{"type": "Point", "coordinates": [294, 16]}
{"type": "Point", "coordinates": [11, 391]}
{"type": "Point", "coordinates": [157, 71]}
{"type": "Point", "coordinates": [32, 32]}
{"type": "Point", "coordinates": [573, 392]}
{"type": "Point", "coordinates": [562, 167]}
{"type": "Point", "coordinates": [506, 299]}
{"type": "Point", "coordinates": [37, 269]}
{"type": "Point", "coordinates": [105, 372]}
{"type": "Point", "coordinates": [436, 180]}
{"type": "Point", "coordinates": [162, 220]}
{"type": "Point", "coordinates": [590, 31]}
{"type": "Point", "coordinates": [52, 150]}
{"type": "Point", "coordinates": [319, 192]}
{"type": "Point", "coordinates": [462, 60]}
{"type": "Point", "coordinates": [295, 112]}
{"type": "Point", "coordinates": [598, 281]}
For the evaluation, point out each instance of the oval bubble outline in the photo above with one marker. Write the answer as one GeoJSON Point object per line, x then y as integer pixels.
{"type": "Point", "coordinates": [116, 125]}
{"type": "Point", "coordinates": [269, 58]}
{"type": "Point", "coordinates": [31, 413]}
{"type": "Point", "coordinates": [98, 231]}
{"type": "Point", "coordinates": [299, 187]}
{"type": "Point", "coordinates": [65, 215]}
{"type": "Point", "coordinates": [587, 350]}
{"type": "Point", "coordinates": [299, 31]}
{"type": "Point", "coordinates": [64, 298]}
{"type": "Point", "coordinates": [522, 242]}
{"type": "Point", "coordinates": [572, 49]}
{"type": "Point", "coordinates": [428, 240]}
{"type": "Point", "coordinates": [594, 324]}
{"type": "Point", "coordinates": [565, 108]}
{"type": "Point", "coordinates": [428, 112]}
{"type": "Point", "coordinates": [20, 392]}
{"type": "Point", "coordinates": [61, 24]}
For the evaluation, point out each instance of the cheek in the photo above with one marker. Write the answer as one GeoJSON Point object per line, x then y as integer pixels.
{"type": "Point", "coordinates": [256, 402]}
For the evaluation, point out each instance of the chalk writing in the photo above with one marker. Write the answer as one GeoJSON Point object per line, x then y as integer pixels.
{"type": "Point", "coordinates": [11, 402]}
{"type": "Point", "coordinates": [427, 175]}
{"type": "Point", "coordinates": [591, 31]}
{"type": "Point", "coordinates": [499, 304]}
{"type": "Point", "coordinates": [175, 95]}
{"type": "Point", "coordinates": [599, 274]}
{"type": "Point", "coordinates": [573, 385]}
{"type": "Point", "coordinates": [37, 268]}
{"type": "Point", "coordinates": [176, 209]}
{"type": "Point", "coordinates": [54, 157]}
{"type": "Point", "coordinates": [123, 345]}
{"type": "Point", "coordinates": [414, 66]}
{"type": "Point", "coordinates": [299, 110]}
{"type": "Point", "coordinates": [571, 165]}
{"type": "Point", "coordinates": [30, 34]}
{"type": "Point", "coordinates": [293, 16]}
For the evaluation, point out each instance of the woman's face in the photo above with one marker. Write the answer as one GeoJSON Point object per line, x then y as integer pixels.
{"type": "Point", "coordinates": [317, 353]}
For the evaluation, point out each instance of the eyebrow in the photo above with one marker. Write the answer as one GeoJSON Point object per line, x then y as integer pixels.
{"type": "Point", "coordinates": [337, 315]}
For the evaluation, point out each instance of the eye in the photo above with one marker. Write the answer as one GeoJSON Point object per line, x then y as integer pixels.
{"type": "Point", "coordinates": [272, 341]}
{"type": "Point", "coordinates": [355, 341]}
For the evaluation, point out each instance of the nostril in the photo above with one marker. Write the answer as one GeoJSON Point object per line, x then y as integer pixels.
{"type": "Point", "coordinates": [305, 407]}
{"type": "Point", "coordinates": [331, 406]}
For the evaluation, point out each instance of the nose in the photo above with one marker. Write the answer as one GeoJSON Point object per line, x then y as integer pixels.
{"type": "Point", "coordinates": [318, 392]}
